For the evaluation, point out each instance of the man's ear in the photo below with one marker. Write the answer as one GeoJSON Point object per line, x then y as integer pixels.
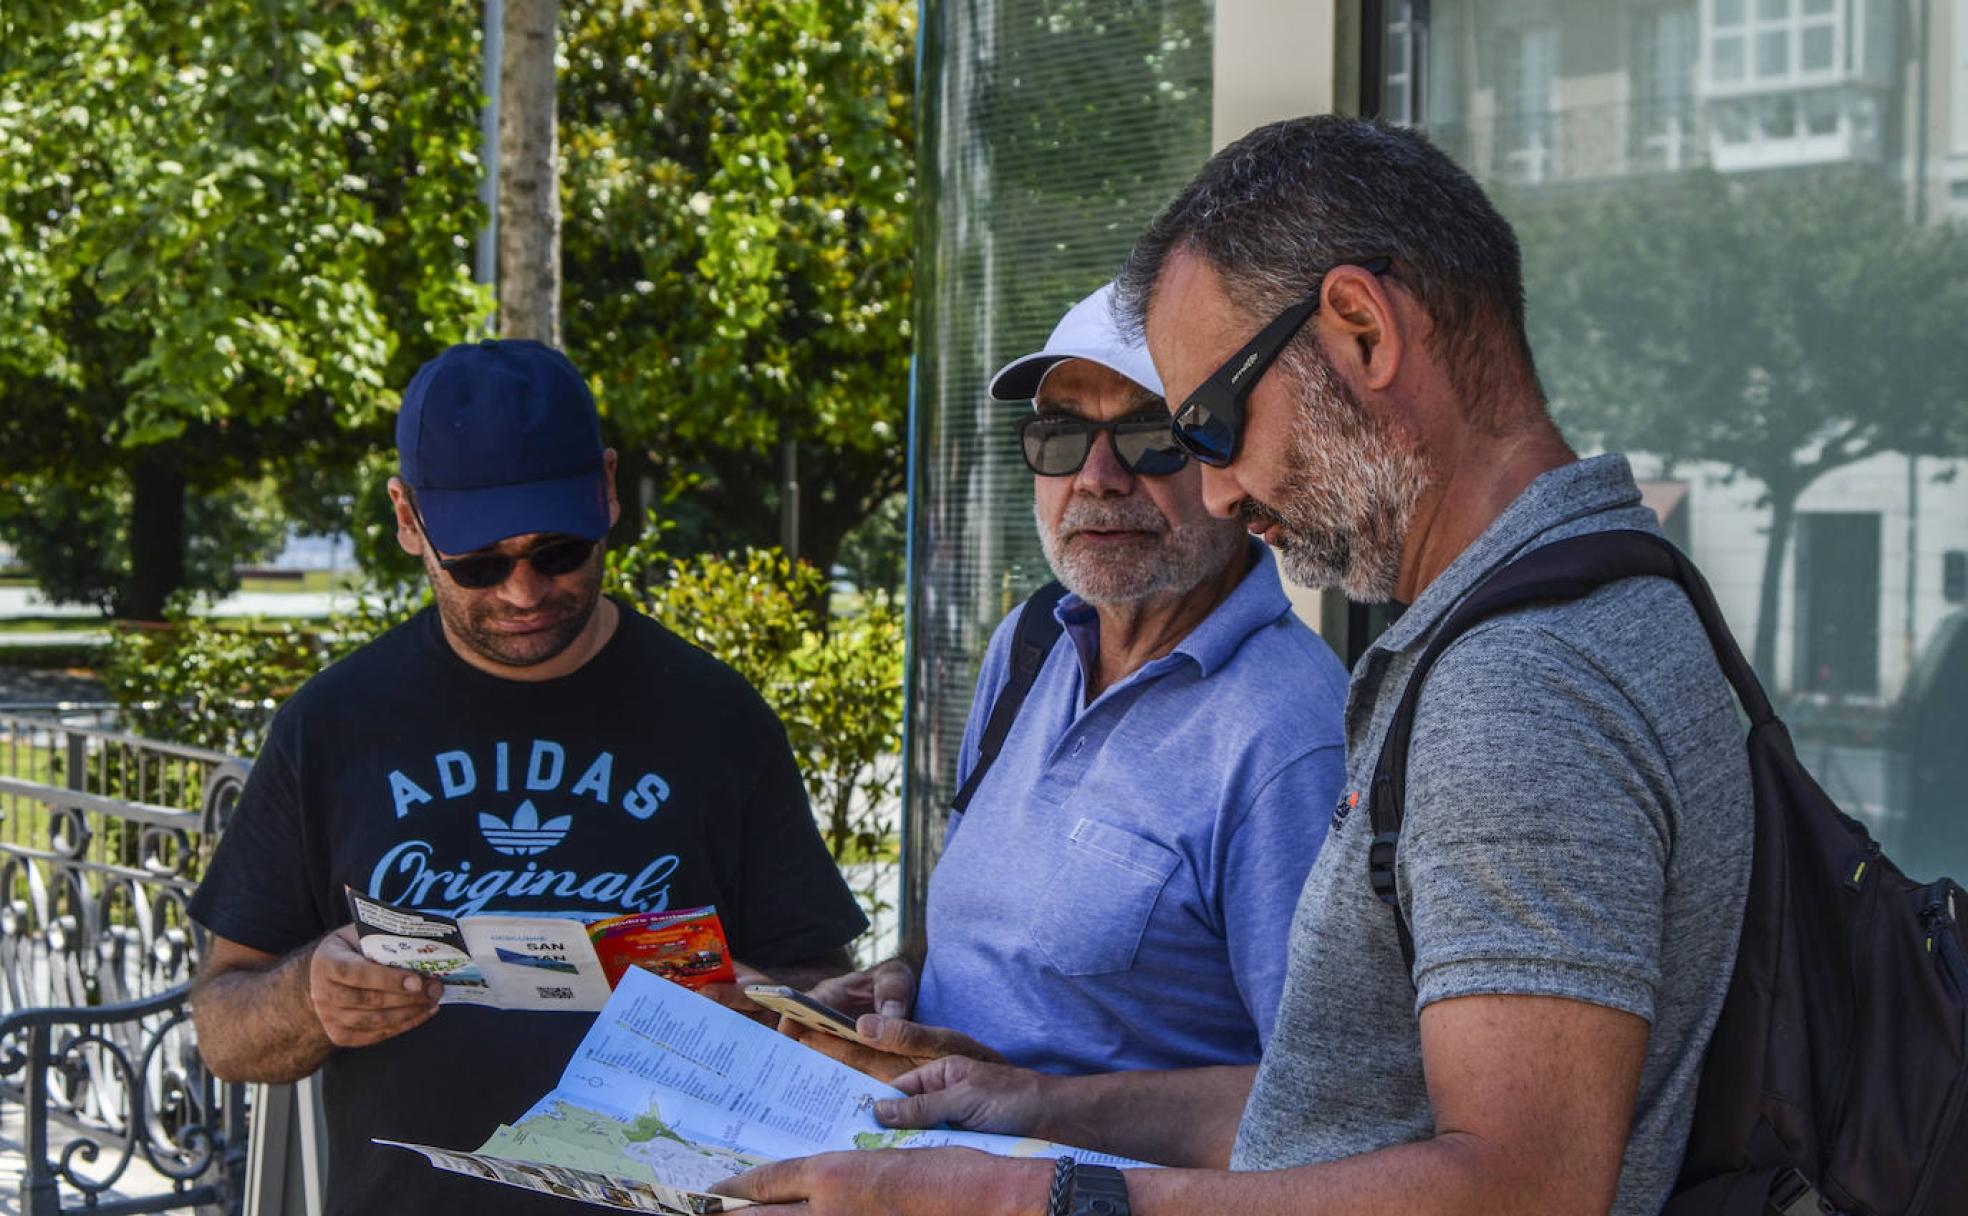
{"type": "Point", "coordinates": [1365, 325]}
{"type": "Point", "coordinates": [408, 535]}
{"type": "Point", "coordinates": [608, 478]}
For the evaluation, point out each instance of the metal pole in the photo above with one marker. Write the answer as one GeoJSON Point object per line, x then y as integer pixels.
{"type": "Point", "coordinates": [39, 1194]}
{"type": "Point", "coordinates": [1910, 645]}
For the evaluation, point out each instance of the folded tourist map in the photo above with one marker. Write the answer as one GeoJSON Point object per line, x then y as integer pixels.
{"type": "Point", "coordinates": [670, 1093]}
{"type": "Point", "coordinates": [532, 962]}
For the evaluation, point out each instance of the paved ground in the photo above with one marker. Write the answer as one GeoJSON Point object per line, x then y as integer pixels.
{"type": "Point", "coordinates": [25, 601]}
{"type": "Point", "coordinates": [27, 686]}
{"type": "Point", "coordinates": [83, 626]}
{"type": "Point", "coordinates": [138, 1180]}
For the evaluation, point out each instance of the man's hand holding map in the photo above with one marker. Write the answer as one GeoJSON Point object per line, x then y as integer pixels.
{"type": "Point", "coordinates": [670, 1093]}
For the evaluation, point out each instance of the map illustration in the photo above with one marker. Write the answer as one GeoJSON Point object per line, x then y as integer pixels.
{"type": "Point", "coordinates": [671, 1093]}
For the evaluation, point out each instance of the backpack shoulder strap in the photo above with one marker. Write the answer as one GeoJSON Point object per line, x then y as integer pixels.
{"type": "Point", "coordinates": [1031, 642]}
{"type": "Point", "coordinates": [1563, 570]}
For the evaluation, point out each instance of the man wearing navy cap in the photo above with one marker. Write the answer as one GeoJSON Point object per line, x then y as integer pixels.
{"type": "Point", "coordinates": [1116, 891]}
{"type": "Point", "coordinates": [524, 746]}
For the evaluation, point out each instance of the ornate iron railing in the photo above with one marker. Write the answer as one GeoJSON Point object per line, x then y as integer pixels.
{"type": "Point", "coordinates": [103, 837]}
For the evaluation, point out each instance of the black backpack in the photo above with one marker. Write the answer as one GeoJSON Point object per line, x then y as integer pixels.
{"type": "Point", "coordinates": [1837, 1077]}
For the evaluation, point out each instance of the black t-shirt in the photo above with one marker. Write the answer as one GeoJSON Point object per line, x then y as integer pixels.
{"type": "Point", "coordinates": [653, 777]}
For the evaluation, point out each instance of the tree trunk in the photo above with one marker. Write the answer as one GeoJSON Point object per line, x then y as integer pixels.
{"type": "Point", "coordinates": [1783, 520]}
{"type": "Point", "coordinates": [157, 539]}
{"type": "Point", "coordinates": [636, 485]}
{"type": "Point", "coordinates": [789, 494]}
{"type": "Point", "coordinates": [529, 194]}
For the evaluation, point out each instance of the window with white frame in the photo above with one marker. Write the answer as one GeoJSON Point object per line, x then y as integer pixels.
{"type": "Point", "coordinates": [1959, 84]}
{"type": "Point", "coordinates": [1398, 106]}
{"type": "Point", "coordinates": [1664, 52]}
{"type": "Point", "coordinates": [1764, 44]}
{"type": "Point", "coordinates": [1526, 126]}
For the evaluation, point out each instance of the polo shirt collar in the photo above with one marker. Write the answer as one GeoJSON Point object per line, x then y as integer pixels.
{"type": "Point", "coordinates": [1256, 601]}
{"type": "Point", "coordinates": [1561, 496]}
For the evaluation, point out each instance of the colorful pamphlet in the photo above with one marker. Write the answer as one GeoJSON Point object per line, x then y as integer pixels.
{"type": "Point", "coordinates": [532, 962]}
{"type": "Point", "coordinates": [686, 947]}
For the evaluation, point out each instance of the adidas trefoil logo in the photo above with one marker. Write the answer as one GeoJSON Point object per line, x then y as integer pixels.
{"type": "Point", "coordinates": [525, 835]}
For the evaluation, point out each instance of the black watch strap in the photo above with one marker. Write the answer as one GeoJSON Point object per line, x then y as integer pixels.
{"type": "Point", "coordinates": [1097, 1190]}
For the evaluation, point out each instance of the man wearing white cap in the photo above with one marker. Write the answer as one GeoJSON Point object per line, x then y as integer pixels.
{"type": "Point", "coordinates": [1116, 890]}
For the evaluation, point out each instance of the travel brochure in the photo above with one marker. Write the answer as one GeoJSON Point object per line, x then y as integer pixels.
{"type": "Point", "coordinates": [532, 962]}
{"type": "Point", "coordinates": [671, 1092]}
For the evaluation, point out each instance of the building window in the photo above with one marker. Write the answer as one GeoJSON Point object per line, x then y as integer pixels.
{"type": "Point", "coordinates": [1526, 127]}
{"type": "Point", "coordinates": [1837, 603]}
{"type": "Point", "coordinates": [1958, 85]}
{"type": "Point", "coordinates": [1398, 105]}
{"type": "Point", "coordinates": [1664, 42]}
{"type": "Point", "coordinates": [1765, 44]}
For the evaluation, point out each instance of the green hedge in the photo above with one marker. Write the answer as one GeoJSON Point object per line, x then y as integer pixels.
{"type": "Point", "coordinates": [835, 681]}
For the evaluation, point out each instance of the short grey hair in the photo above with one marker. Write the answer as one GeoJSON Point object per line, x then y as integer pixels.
{"type": "Point", "coordinates": [1279, 207]}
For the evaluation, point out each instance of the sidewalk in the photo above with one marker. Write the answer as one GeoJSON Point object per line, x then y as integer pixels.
{"type": "Point", "coordinates": [81, 625]}
{"type": "Point", "coordinates": [16, 602]}
{"type": "Point", "coordinates": [138, 1180]}
{"type": "Point", "coordinates": [30, 686]}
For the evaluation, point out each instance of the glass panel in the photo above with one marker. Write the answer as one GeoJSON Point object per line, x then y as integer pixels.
{"type": "Point", "coordinates": [1772, 10]}
{"type": "Point", "coordinates": [1050, 134]}
{"type": "Point", "coordinates": [1773, 53]}
{"type": "Point", "coordinates": [1815, 54]}
{"type": "Point", "coordinates": [1958, 86]}
{"type": "Point", "coordinates": [1690, 303]}
{"type": "Point", "coordinates": [1821, 112]}
{"type": "Point", "coordinates": [1728, 12]}
{"type": "Point", "coordinates": [1779, 117]}
{"type": "Point", "coordinates": [1728, 59]}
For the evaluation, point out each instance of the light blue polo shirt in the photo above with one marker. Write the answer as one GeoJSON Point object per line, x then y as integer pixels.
{"type": "Point", "coordinates": [1120, 893]}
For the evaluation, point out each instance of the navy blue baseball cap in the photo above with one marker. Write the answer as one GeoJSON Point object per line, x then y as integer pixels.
{"type": "Point", "coordinates": [500, 438]}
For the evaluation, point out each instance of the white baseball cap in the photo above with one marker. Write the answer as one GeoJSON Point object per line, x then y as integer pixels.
{"type": "Point", "coordinates": [1091, 332]}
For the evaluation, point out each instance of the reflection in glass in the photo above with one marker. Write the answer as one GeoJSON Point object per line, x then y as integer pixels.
{"type": "Point", "coordinates": [1773, 53]}
{"type": "Point", "coordinates": [1727, 63]}
{"type": "Point", "coordinates": [1753, 282]}
{"type": "Point", "coordinates": [1051, 132]}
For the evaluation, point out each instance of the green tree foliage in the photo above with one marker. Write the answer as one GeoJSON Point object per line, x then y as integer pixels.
{"type": "Point", "coordinates": [838, 690]}
{"type": "Point", "coordinates": [1782, 326]}
{"type": "Point", "coordinates": [876, 553]}
{"type": "Point", "coordinates": [737, 189]}
{"type": "Point", "coordinates": [836, 685]}
{"type": "Point", "coordinates": [228, 231]}
{"type": "Point", "coordinates": [71, 536]}
{"type": "Point", "coordinates": [1096, 120]}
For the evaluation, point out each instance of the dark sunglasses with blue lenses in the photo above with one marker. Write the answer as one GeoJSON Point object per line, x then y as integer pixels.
{"type": "Point", "coordinates": [1210, 423]}
{"type": "Point", "coordinates": [1057, 445]}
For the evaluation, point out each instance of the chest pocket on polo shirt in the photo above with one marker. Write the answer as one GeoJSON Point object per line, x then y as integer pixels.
{"type": "Point", "coordinates": [1103, 888]}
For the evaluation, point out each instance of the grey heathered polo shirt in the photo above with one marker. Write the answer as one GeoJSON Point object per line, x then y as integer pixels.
{"type": "Point", "coordinates": [1578, 825]}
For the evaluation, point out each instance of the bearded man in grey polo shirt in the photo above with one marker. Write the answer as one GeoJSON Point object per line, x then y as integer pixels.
{"type": "Point", "coordinates": [1339, 311]}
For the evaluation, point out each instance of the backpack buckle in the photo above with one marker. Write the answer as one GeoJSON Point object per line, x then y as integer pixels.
{"type": "Point", "coordinates": [1380, 867]}
{"type": "Point", "coordinates": [1791, 1194]}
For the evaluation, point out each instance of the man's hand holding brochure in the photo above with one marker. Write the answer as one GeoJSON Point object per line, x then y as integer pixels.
{"type": "Point", "coordinates": [670, 1093]}
{"type": "Point", "coordinates": [534, 962]}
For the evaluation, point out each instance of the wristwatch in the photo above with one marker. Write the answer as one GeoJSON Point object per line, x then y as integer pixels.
{"type": "Point", "coordinates": [1087, 1190]}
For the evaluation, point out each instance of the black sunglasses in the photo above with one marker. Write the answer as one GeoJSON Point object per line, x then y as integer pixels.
{"type": "Point", "coordinates": [1057, 445]}
{"type": "Point", "coordinates": [1210, 423]}
{"type": "Point", "coordinates": [477, 571]}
